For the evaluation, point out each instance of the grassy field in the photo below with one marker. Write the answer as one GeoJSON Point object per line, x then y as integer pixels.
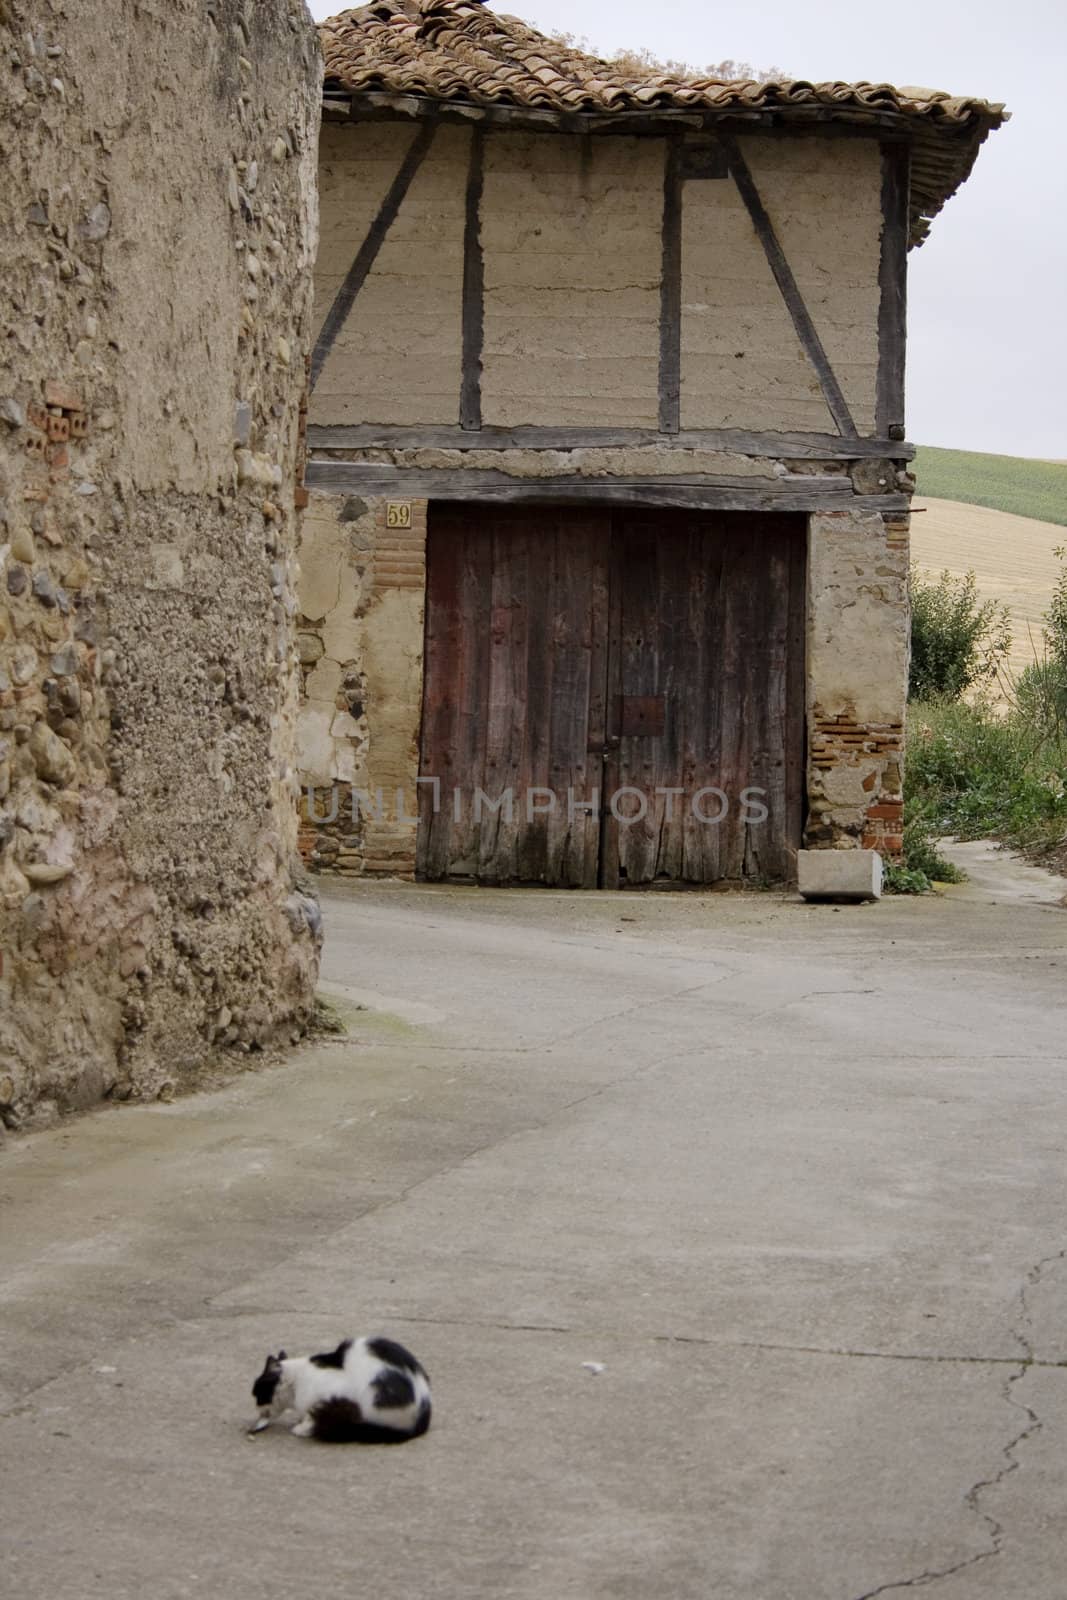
{"type": "Point", "coordinates": [1004, 483]}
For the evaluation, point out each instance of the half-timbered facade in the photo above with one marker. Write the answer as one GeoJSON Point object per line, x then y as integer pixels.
{"type": "Point", "coordinates": [605, 566]}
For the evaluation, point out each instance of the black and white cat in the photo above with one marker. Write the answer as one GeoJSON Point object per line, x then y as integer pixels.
{"type": "Point", "coordinates": [367, 1391]}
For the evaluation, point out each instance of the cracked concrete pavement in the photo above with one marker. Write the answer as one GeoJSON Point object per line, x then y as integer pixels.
{"type": "Point", "coordinates": [793, 1175]}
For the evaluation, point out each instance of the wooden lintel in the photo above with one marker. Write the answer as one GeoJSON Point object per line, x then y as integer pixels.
{"type": "Point", "coordinates": [670, 311]}
{"type": "Point", "coordinates": [357, 274]}
{"type": "Point", "coordinates": [797, 494]}
{"type": "Point", "coordinates": [893, 284]}
{"type": "Point", "coordinates": [470, 404]}
{"type": "Point", "coordinates": [790, 290]}
{"type": "Point", "coordinates": [775, 446]}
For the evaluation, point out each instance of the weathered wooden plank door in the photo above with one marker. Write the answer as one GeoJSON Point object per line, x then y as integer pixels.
{"type": "Point", "coordinates": [514, 695]}
{"type": "Point", "coordinates": [612, 698]}
{"type": "Point", "coordinates": [705, 763]}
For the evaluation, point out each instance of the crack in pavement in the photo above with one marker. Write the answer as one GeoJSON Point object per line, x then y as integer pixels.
{"type": "Point", "coordinates": [1022, 1332]}
{"type": "Point", "coordinates": [836, 1352]}
{"type": "Point", "coordinates": [214, 1313]}
{"type": "Point", "coordinates": [650, 1004]}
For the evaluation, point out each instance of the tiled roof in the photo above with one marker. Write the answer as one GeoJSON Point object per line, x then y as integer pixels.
{"type": "Point", "coordinates": [460, 51]}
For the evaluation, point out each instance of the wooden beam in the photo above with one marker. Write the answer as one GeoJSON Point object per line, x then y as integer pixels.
{"type": "Point", "coordinates": [801, 493]}
{"type": "Point", "coordinates": [357, 275]}
{"type": "Point", "coordinates": [893, 281]}
{"type": "Point", "coordinates": [470, 404]}
{"type": "Point", "coordinates": [783, 275]}
{"type": "Point", "coordinates": [670, 304]}
{"type": "Point", "coordinates": [446, 436]}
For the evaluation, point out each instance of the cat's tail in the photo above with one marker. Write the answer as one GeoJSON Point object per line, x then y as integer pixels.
{"type": "Point", "coordinates": [341, 1421]}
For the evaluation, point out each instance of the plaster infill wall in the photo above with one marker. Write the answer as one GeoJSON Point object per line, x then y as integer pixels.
{"type": "Point", "coordinates": [362, 603]}
{"type": "Point", "coordinates": [398, 357]}
{"type": "Point", "coordinates": [571, 231]}
{"type": "Point", "coordinates": [572, 234]}
{"type": "Point", "coordinates": [742, 363]}
{"type": "Point", "coordinates": [858, 644]}
{"type": "Point", "coordinates": [157, 227]}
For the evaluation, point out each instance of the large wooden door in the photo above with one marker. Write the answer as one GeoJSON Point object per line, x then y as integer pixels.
{"type": "Point", "coordinates": [514, 707]}
{"type": "Point", "coordinates": [612, 698]}
{"type": "Point", "coordinates": [707, 680]}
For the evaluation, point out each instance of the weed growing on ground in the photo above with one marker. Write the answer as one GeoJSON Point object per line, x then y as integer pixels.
{"type": "Point", "coordinates": [977, 768]}
{"type": "Point", "coordinates": [921, 864]}
{"type": "Point", "coordinates": [978, 773]}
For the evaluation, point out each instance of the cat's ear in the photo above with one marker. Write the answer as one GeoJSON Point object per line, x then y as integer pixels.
{"type": "Point", "coordinates": [282, 1356]}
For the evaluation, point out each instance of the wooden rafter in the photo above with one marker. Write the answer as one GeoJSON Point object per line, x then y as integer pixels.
{"type": "Point", "coordinates": [837, 121]}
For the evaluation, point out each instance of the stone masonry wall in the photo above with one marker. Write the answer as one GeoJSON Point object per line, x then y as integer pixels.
{"type": "Point", "coordinates": [858, 646]}
{"type": "Point", "coordinates": [157, 229]}
{"type": "Point", "coordinates": [362, 602]}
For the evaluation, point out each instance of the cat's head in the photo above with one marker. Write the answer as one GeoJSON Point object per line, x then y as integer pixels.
{"type": "Point", "coordinates": [265, 1388]}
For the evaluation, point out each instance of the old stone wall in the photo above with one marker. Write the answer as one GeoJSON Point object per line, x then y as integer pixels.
{"type": "Point", "coordinates": [362, 601]}
{"type": "Point", "coordinates": [157, 229]}
{"type": "Point", "coordinates": [858, 645]}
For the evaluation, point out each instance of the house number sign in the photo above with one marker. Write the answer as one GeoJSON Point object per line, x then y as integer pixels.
{"type": "Point", "coordinates": [398, 514]}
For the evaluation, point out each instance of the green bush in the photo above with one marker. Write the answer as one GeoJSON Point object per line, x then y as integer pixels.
{"type": "Point", "coordinates": [1056, 618]}
{"type": "Point", "coordinates": [976, 769]}
{"type": "Point", "coordinates": [1040, 694]}
{"type": "Point", "coordinates": [957, 641]}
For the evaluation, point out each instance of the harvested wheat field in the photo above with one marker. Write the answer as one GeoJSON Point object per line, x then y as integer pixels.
{"type": "Point", "coordinates": [1012, 558]}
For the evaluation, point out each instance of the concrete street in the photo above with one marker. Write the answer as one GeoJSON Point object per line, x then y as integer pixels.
{"type": "Point", "coordinates": [793, 1175]}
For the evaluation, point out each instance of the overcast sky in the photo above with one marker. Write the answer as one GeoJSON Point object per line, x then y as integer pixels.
{"type": "Point", "coordinates": [988, 327]}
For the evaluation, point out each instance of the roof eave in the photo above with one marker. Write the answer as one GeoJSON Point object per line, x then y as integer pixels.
{"type": "Point", "coordinates": [365, 103]}
{"type": "Point", "coordinates": [944, 153]}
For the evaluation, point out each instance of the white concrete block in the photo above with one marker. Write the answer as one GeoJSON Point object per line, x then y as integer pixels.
{"type": "Point", "coordinates": [839, 874]}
